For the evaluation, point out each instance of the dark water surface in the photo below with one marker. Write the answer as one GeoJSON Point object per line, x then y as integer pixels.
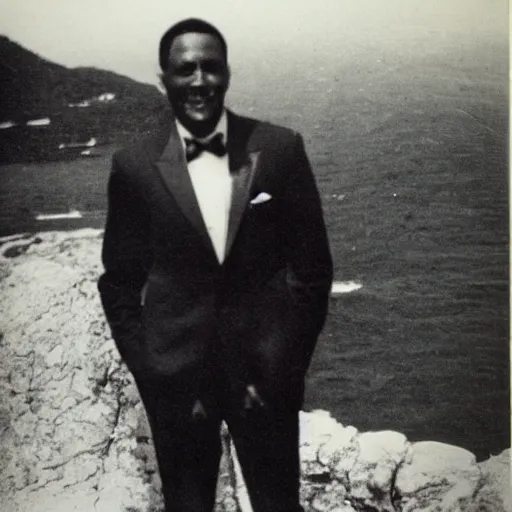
{"type": "Point", "coordinates": [411, 161]}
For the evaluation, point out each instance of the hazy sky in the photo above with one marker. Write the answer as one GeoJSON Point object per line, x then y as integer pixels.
{"type": "Point", "coordinates": [122, 35]}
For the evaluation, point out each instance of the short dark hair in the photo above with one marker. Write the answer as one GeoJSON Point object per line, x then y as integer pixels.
{"type": "Point", "coordinates": [184, 27]}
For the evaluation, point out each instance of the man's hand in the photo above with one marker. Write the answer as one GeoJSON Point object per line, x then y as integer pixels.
{"type": "Point", "coordinates": [198, 411]}
{"type": "Point", "coordinates": [252, 399]}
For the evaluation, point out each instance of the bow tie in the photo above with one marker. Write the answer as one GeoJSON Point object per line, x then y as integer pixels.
{"type": "Point", "coordinates": [193, 147]}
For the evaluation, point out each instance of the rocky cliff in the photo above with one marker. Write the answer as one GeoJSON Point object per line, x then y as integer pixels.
{"type": "Point", "coordinates": [73, 434]}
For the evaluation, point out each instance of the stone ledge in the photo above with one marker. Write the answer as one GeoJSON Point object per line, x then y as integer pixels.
{"type": "Point", "coordinates": [73, 434]}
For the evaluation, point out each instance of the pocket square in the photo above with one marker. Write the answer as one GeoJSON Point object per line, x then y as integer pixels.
{"type": "Point", "coordinates": [262, 197]}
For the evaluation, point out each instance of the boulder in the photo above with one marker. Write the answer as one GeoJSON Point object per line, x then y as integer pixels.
{"type": "Point", "coordinates": [437, 476]}
{"type": "Point", "coordinates": [69, 407]}
{"type": "Point", "coordinates": [495, 487]}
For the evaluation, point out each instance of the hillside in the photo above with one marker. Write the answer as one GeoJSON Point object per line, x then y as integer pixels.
{"type": "Point", "coordinates": [34, 88]}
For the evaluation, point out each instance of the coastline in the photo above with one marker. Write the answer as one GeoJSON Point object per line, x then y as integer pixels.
{"type": "Point", "coordinates": [74, 433]}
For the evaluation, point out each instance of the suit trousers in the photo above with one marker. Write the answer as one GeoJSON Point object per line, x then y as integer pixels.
{"type": "Point", "coordinates": [188, 449]}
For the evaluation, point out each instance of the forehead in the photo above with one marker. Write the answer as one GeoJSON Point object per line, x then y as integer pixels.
{"type": "Point", "coordinates": [194, 45]}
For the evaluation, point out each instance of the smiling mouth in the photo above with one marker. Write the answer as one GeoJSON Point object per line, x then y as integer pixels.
{"type": "Point", "coordinates": [200, 101]}
{"type": "Point", "coordinates": [197, 104]}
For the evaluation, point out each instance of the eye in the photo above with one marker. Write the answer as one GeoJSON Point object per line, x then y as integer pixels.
{"type": "Point", "coordinates": [213, 66]}
{"type": "Point", "coordinates": [185, 69]}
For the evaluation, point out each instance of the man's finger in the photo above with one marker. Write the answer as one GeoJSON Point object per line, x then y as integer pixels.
{"type": "Point", "coordinates": [253, 396]}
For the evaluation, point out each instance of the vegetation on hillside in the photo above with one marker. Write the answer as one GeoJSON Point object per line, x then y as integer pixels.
{"type": "Point", "coordinates": [33, 87]}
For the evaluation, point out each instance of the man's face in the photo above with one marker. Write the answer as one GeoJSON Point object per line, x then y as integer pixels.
{"type": "Point", "coordinates": [196, 81]}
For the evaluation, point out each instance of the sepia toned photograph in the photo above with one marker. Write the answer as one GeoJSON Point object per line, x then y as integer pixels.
{"type": "Point", "coordinates": [254, 256]}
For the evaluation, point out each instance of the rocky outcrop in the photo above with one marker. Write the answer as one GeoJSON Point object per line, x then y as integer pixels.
{"type": "Point", "coordinates": [382, 471]}
{"type": "Point", "coordinates": [73, 434]}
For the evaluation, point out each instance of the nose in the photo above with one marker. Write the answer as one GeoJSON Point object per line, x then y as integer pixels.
{"type": "Point", "coordinates": [199, 78]}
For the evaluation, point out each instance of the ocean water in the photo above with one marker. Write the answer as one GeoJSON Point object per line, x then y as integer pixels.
{"type": "Point", "coordinates": [410, 157]}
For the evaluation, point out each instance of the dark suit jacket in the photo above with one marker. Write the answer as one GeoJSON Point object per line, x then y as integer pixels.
{"type": "Point", "coordinates": [257, 315]}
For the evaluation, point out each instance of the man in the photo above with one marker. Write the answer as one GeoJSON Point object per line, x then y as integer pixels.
{"type": "Point", "coordinates": [216, 283]}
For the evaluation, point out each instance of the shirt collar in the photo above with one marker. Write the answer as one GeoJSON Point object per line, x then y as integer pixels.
{"type": "Point", "coordinates": [222, 127]}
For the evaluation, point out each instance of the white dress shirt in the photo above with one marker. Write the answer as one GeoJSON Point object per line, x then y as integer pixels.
{"type": "Point", "coordinates": [212, 184]}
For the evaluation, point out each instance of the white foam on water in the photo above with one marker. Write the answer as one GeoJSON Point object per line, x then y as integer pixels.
{"type": "Point", "coordinates": [74, 214]}
{"type": "Point", "coordinates": [39, 122]}
{"type": "Point", "coordinates": [7, 124]}
{"type": "Point", "coordinates": [345, 287]}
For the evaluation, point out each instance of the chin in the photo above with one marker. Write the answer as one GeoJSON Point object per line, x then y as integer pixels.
{"type": "Point", "coordinates": [201, 118]}
{"type": "Point", "coordinates": [200, 122]}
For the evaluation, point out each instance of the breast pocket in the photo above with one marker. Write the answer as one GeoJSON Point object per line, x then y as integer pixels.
{"type": "Point", "coordinates": [262, 206]}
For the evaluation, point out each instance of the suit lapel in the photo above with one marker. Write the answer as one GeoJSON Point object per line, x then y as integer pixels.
{"type": "Point", "coordinates": [244, 158]}
{"type": "Point", "coordinates": [244, 161]}
{"type": "Point", "coordinates": [173, 169]}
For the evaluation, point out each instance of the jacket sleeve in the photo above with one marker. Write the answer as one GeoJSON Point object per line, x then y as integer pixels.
{"type": "Point", "coordinates": [309, 261]}
{"type": "Point", "coordinates": [126, 256]}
